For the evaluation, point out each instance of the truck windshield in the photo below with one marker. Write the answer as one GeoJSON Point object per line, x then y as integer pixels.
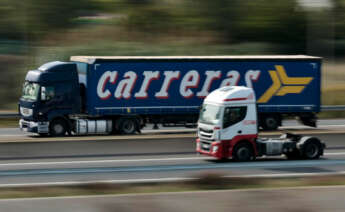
{"type": "Point", "coordinates": [209, 114]}
{"type": "Point", "coordinates": [30, 90]}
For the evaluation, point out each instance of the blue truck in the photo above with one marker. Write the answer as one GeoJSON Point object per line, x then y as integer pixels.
{"type": "Point", "coordinates": [106, 95]}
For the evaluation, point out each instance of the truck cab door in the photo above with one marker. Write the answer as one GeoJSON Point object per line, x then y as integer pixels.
{"type": "Point", "coordinates": [56, 96]}
{"type": "Point", "coordinates": [233, 122]}
{"type": "Point", "coordinates": [47, 98]}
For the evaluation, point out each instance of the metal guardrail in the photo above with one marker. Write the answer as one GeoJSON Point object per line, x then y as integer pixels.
{"type": "Point", "coordinates": [323, 108]}
{"type": "Point", "coordinates": [332, 107]}
{"type": "Point", "coordinates": [9, 115]}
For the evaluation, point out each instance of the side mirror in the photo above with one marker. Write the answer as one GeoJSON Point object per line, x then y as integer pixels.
{"type": "Point", "coordinates": [43, 94]}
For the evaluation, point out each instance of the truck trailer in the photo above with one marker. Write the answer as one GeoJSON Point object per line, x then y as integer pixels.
{"type": "Point", "coordinates": [104, 95]}
{"type": "Point", "coordinates": [227, 128]}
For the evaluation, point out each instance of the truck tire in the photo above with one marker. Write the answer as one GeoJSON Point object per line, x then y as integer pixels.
{"type": "Point", "coordinates": [57, 128]}
{"type": "Point", "coordinates": [128, 126]}
{"type": "Point", "coordinates": [312, 150]}
{"type": "Point", "coordinates": [308, 119]}
{"type": "Point", "coordinates": [243, 152]}
{"type": "Point", "coordinates": [270, 122]}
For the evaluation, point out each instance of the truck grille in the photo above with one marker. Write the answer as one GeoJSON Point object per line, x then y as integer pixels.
{"type": "Point", "coordinates": [206, 134]}
{"type": "Point", "coordinates": [205, 146]}
{"type": "Point", "coordinates": [205, 130]}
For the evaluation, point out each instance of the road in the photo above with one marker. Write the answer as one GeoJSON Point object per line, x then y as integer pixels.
{"type": "Point", "coordinates": [162, 157]}
{"type": "Point", "coordinates": [285, 200]}
{"type": "Point", "coordinates": [288, 125]}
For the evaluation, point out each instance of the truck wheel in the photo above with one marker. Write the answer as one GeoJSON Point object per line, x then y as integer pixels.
{"type": "Point", "coordinates": [58, 128]}
{"type": "Point", "coordinates": [128, 126]}
{"type": "Point", "coordinates": [270, 122]}
{"type": "Point", "coordinates": [312, 150]}
{"type": "Point", "coordinates": [243, 152]}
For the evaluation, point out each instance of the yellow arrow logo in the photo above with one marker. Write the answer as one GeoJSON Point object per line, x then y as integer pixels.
{"type": "Point", "coordinates": [282, 84]}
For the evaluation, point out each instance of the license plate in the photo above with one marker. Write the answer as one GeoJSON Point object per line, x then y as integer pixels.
{"type": "Point", "coordinates": [206, 146]}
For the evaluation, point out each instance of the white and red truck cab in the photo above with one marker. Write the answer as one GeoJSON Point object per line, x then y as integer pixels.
{"type": "Point", "coordinates": [228, 128]}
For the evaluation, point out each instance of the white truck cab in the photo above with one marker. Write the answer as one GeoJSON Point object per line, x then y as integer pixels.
{"type": "Point", "coordinates": [228, 128]}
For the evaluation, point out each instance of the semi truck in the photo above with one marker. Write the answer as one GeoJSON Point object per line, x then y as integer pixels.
{"type": "Point", "coordinates": [106, 94]}
{"type": "Point", "coordinates": [227, 128]}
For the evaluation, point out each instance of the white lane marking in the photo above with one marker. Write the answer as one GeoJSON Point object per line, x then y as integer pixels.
{"type": "Point", "coordinates": [319, 126]}
{"type": "Point", "coordinates": [284, 127]}
{"type": "Point", "coordinates": [130, 160]}
{"type": "Point", "coordinates": [69, 183]}
{"type": "Point", "coordinates": [334, 153]}
{"type": "Point", "coordinates": [289, 175]}
{"type": "Point", "coordinates": [12, 135]}
{"type": "Point", "coordinates": [329, 125]}
{"type": "Point", "coordinates": [107, 161]}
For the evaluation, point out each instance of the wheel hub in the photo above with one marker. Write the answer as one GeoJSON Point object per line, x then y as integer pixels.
{"type": "Point", "coordinates": [58, 128]}
{"type": "Point", "coordinates": [243, 153]}
{"type": "Point", "coordinates": [311, 150]}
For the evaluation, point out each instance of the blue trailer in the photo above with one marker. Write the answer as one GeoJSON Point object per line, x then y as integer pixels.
{"type": "Point", "coordinates": [92, 94]}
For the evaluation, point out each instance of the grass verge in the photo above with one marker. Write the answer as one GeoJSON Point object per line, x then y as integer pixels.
{"type": "Point", "coordinates": [204, 183]}
{"type": "Point", "coordinates": [333, 96]}
{"type": "Point", "coordinates": [9, 122]}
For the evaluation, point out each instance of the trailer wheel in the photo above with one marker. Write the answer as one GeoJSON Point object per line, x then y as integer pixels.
{"type": "Point", "coordinates": [270, 122]}
{"type": "Point", "coordinates": [243, 152]}
{"type": "Point", "coordinates": [312, 149]}
{"type": "Point", "coordinates": [128, 126]}
{"type": "Point", "coordinates": [57, 127]}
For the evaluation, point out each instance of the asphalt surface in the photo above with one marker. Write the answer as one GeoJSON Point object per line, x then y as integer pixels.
{"type": "Point", "coordinates": [133, 160]}
{"type": "Point", "coordinates": [314, 199]}
{"type": "Point", "coordinates": [167, 154]}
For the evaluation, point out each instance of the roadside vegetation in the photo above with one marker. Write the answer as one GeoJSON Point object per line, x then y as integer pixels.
{"type": "Point", "coordinates": [205, 182]}
{"type": "Point", "coordinates": [33, 32]}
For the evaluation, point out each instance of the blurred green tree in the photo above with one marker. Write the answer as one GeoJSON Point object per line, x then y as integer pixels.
{"type": "Point", "coordinates": [9, 27]}
{"type": "Point", "coordinates": [42, 16]}
{"type": "Point", "coordinates": [281, 22]}
{"type": "Point", "coordinates": [31, 19]}
{"type": "Point", "coordinates": [150, 16]}
{"type": "Point", "coordinates": [339, 26]}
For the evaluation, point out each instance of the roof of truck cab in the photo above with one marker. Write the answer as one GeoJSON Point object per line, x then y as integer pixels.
{"type": "Point", "coordinates": [56, 66]}
{"type": "Point", "coordinates": [97, 59]}
{"type": "Point", "coordinates": [231, 95]}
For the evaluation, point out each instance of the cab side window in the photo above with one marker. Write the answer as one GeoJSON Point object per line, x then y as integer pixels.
{"type": "Point", "coordinates": [48, 93]}
{"type": "Point", "coordinates": [233, 115]}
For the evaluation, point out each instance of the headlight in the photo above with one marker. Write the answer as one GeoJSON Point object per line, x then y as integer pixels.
{"type": "Point", "coordinates": [25, 111]}
{"type": "Point", "coordinates": [215, 149]}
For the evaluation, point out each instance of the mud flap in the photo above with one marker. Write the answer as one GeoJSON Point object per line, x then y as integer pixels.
{"type": "Point", "coordinates": [309, 119]}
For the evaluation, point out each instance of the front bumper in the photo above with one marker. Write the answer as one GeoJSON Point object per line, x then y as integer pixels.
{"type": "Point", "coordinates": [35, 127]}
{"type": "Point", "coordinates": [214, 149]}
